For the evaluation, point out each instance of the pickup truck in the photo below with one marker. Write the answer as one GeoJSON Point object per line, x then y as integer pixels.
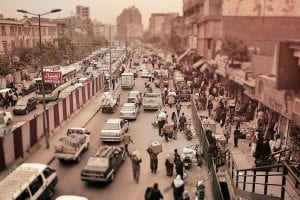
{"type": "Point", "coordinates": [109, 102]}
{"type": "Point", "coordinates": [70, 147]}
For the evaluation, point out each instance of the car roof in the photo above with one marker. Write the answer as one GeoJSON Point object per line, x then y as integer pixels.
{"type": "Point", "coordinates": [134, 92]}
{"type": "Point", "coordinates": [71, 197]}
{"type": "Point", "coordinates": [76, 128]}
{"type": "Point", "coordinates": [129, 104]}
{"type": "Point", "coordinates": [115, 120]}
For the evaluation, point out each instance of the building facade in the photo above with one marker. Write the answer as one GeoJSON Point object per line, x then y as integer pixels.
{"type": "Point", "coordinates": [129, 24]}
{"type": "Point", "coordinates": [160, 24]}
{"type": "Point", "coordinates": [25, 33]}
{"type": "Point", "coordinates": [83, 11]}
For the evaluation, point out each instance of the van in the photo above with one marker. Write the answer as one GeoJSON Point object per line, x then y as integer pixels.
{"type": "Point", "coordinates": [30, 181]}
{"type": "Point", "coordinates": [127, 80]}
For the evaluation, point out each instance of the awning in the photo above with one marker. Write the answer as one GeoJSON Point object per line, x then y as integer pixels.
{"type": "Point", "coordinates": [184, 54]}
{"type": "Point", "coordinates": [204, 67]}
{"type": "Point", "coordinates": [199, 63]}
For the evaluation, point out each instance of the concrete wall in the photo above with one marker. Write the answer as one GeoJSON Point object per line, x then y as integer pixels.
{"type": "Point", "coordinates": [9, 140]}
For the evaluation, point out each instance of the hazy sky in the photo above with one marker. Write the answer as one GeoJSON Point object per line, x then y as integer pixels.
{"type": "Point", "coordinates": [105, 11]}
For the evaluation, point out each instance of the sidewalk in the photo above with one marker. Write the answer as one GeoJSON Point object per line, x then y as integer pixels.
{"type": "Point", "coordinates": [39, 153]}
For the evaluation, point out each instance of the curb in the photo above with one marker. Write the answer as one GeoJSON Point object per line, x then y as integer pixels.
{"type": "Point", "coordinates": [84, 125]}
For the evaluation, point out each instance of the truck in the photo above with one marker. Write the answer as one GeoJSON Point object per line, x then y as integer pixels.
{"type": "Point", "coordinates": [70, 147]}
{"type": "Point", "coordinates": [127, 80]}
{"type": "Point", "coordinates": [109, 102]}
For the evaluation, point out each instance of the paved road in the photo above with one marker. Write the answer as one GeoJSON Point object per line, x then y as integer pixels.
{"type": "Point", "coordinates": [124, 187]}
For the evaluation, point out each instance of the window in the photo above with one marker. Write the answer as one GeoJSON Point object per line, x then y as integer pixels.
{"type": "Point", "coordinates": [47, 172]}
{"type": "Point", "coordinates": [3, 31]}
{"type": "Point", "coordinates": [36, 185]}
{"type": "Point", "coordinates": [4, 43]}
{"type": "Point", "coordinates": [21, 44]}
{"type": "Point", "coordinates": [208, 43]}
{"type": "Point", "coordinates": [24, 195]}
{"type": "Point", "coordinates": [33, 31]}
{"type": "Point", "coordinates": [19, 30]}
{"type": "Point", "coordinates": [12, 31]}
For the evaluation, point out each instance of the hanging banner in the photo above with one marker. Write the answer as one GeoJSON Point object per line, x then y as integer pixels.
{"type": "Point", "coordinates": [52, 77]}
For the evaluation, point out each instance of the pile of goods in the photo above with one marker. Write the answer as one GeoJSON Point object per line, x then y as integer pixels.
{"type": "Point", "coordinates": [248, 128]}
{"type": "Point", "coordinates": [107, 99]}
{"type": "Point", "coordinates": [70, 143]}
{"type": "Point", "coordinates": [156, 147]}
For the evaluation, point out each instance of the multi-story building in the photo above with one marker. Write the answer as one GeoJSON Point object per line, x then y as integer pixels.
{"type": "Point", "coordinates": [83, 11]}
{"type": "Point", "coordinates": [129, 24]}
{"type": "Point", "coordinates": [25, 33]}
{"type": "Point", "coordinates": [160, 24]}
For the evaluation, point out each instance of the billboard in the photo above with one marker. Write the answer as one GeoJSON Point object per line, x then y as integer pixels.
{"type": "Point", "coordinates": [52, 77]}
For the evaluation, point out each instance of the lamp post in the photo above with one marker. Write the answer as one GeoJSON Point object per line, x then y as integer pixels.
{"type": "Point", "coordinates": [45, 121]}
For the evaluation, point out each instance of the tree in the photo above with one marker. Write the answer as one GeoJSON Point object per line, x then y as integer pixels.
{"type": "Point", "coordinates": [235, 50]}
{"type": "Point", "coordinates": [175, 43]}
{"type": "Point", "coordinates": [5, 68]}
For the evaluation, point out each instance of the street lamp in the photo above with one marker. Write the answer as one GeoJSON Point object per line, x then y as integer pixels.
{"type": "Point", "coordinates": [45, 121]}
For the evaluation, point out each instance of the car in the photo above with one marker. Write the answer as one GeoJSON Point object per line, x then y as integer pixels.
{"type": "Point", "coordinates": [134, 97]}
{"type": "Point", "coordinates": [25, 105]}
{"type": "Point", "coordinates": [129, 111]}
{"type": "Point", "coordinates": [143, 67]}
{"type": "Point", "coordinates": [152, 101]}
{"type": "Point", "coordinates": [113, 130]}
{"type": "Point", "coordinates": [184, 94]}
{"type": "Point", "coordinates": [145, 74]}
{"type": "Point", "coordinates": [70, 197]}
{"type": "Point", "coordinates": [103, 164]}
{"type": "Point", "coordinates": [6, 116]}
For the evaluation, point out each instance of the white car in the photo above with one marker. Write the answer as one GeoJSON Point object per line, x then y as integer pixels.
{"type": "Point", "coordinates": [143, 67]}
{"type": "Point", "coordinates": [152, 101]}
{"type": "Point", "coordinates": [129, 111]}
{"type": "Point", "coordinates": [113, 130]}
{"type": "Point", "coordinates": [6, 116]}
{"type": "Point", "coordinates": [71, 197]}
{"type": "Point", "coordinates": [134, 97]}
{"type": "Point", "coordinates": [145, 74]}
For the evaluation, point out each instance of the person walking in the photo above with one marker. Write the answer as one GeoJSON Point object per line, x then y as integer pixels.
{"type": "Point", "coordinates": [153, 160]}
{"type": "Point", "coordinates": [182, 121]}
{"type": "Point", "coordinates": [178, 187]}
{"type": "Point", "coordinates": [127, 140]}
{"type": "Point", "coordinates": [113, 82]}
{"type": "Point", "coordinates": [210, 107]}
{"type": "Point", "coordinates": [169, 163]}
{"type": "Point", "coordinates": [136, 160]}
{"type": "Point", "coordinates": [174, 120]}
{"type": "Point", "coordinates": [236, 134]}
{"type": "Point", "coordinates": [178, 108]}
{"type": "Point", "coordinates": [179, 167]}
{"type": "Point", "coordinates": [153, 193]}
{"type": "Point", "coordinates": [162, 118]}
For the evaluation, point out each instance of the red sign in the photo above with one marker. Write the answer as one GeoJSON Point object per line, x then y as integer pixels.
{"type": "Point", "coordinates": [52, 77]}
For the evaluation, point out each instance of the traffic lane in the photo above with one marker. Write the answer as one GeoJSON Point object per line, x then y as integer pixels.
{"type": "Point", "coordinates": [142, 133]}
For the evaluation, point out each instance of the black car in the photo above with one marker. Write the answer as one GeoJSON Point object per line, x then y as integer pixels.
{"type": "Point", "coordinates": [102, 166]}
{"type": "Point", "coordinates": [24, 106]}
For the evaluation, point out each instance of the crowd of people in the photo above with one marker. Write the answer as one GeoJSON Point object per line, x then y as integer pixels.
{"type": "Point", "coordinates": [10, 98]}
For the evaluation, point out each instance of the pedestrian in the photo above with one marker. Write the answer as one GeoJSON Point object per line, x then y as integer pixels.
{"type": "Point", "coordinates": [178, 108]}
{"type": "Point", "coordinates": [136, 160]}
{"type": "Point", "coordinates": [226, 132]}
{"type": "Point", "coordinates": [6, 100]}
{"type": "Point", "coordinates": [167, 131]}
{"type": "Point", "coordinates": [182, 121]}
{"type": "Point", "coordinates": [153, 193]}
{"type": "Point", "coordinates": [153, 160]}
{"type": "Point", "coordinates": [176, 155]}
{"type": "Point", "coordinates": [236, 134]}
{"type": "Point", "coordinates": [113, 83]}
{"type": "Point", "coordinates": [162, 118]}
{"type": "Point", "coordinates": [223, 117]}
{"type": "Point", "coordinates": [178, 187]}
{"type": "Point", "coordinates": [14, 99]}
{"type": "Point", "coordinates": [169, 163]}
{"type": "Point", "coordinates": [210, 107]}
{"type": "Point", "coordinates": [179, 167]}
{"type": "Point", "coordinates": [127, 140]}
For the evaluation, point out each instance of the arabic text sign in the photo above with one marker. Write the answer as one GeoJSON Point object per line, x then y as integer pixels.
{"type": "Point", "coordinates": [52, 77]}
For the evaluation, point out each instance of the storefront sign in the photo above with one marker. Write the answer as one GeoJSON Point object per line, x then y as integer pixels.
{"type": "Point", "coordinates": [280, 101]}
{"type": "Point", "coordinates": [52, 77]}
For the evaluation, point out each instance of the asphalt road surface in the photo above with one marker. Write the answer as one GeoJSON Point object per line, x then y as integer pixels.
{"type": "Point", "coordinates": [124, 187]}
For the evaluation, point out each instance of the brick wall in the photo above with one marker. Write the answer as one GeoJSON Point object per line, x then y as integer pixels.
{"type": "Point", "coordinates": [261, 32]}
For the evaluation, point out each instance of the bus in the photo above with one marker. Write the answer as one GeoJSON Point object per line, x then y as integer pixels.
{"type": "Point", "coordinates": [51, 90]}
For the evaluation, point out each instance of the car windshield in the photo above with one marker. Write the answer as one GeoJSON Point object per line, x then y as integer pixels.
{"type": "Point", "coordinates": [98, 162]}
{"type": "Point", "coordinates": [151, 95]}
{"type": "Point", "coordinates": [75, 131]}
{"type": "Point", "coordinates": [127, 108]}
{"type": "Point", "coordinates": [132, 95]}
{"type": "Point", "coordinates": [111, 126]}
{"type": "Point", "coordinates": [21, 102]}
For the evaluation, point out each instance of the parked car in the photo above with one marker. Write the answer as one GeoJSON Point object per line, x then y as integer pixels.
{"type": "Point", "coordinates": [114, 130]}
{"type": "Point", "coordinates": [102, 166]}
{"type": "Point", "coordinates": [27, 88]}
{"type": "Point", "coordinates": [134, 97]}
{"type": "Point", "coordinates": [129, 111]}
{"type": "Point", "coordinates": [24, 106]}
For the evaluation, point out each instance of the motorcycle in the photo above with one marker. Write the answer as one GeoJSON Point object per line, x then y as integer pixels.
{"type": "Point", "coordinates": [187, 156]}
{"type": "Point", "coordinates": [200, 190]}
{"type": "Point", "coordinates": [187, 132]}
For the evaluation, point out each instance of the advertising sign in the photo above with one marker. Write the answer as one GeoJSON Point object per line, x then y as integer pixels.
{"type": "Point", "coordinates": [52, 77]}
